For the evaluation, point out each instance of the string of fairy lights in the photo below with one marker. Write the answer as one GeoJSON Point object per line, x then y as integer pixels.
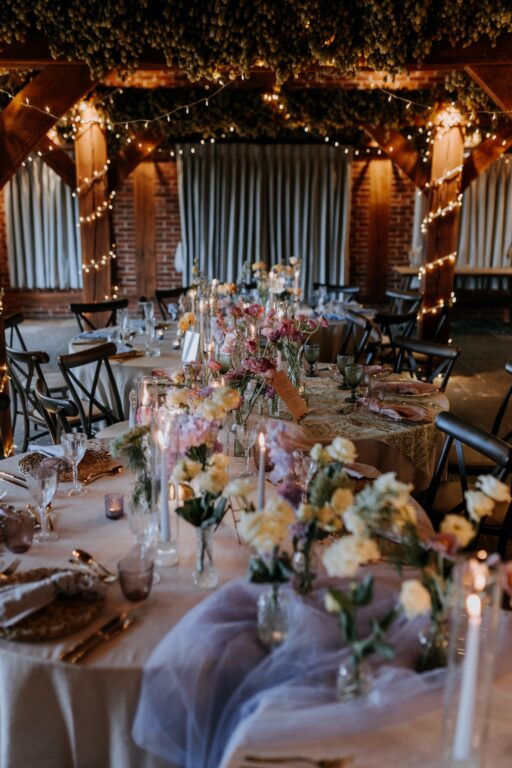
{"type": "Point", "coordinates": [78, 122]}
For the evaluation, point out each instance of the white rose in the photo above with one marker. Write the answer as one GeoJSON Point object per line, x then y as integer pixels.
{"type": "Point", "coordinates": [414, 598]}
{"type": "Point", "coordinates": [355, 523]}
{"type": "Point", "coordinates": [219, 460]}
{"type": "Point", "coordinates": [478, 505]}
{"type": "Point", "coordinates": [459, 527]}
{"type": "Point", "coordinates": [388, 484]}
{"type": "Point", "coordinates": [342, 499]}
{"type": "Point", "coordinates": [185, 470]}
{"type": "Point", "coordinates": [344, 557]}
{"type": "Point", "coordinates": [226, 397]}
{"type": "Point", "coordinates": [318, 454]}
{"type": "Point", "coordinates": [493, 488]}
{"type": "Point", "coordinates": [239, 487]}
{"type": "Point", "coordinates": [407, 514]}
{"type": "Point", "coordinates": [213, 480]}
{"type": "Point", "coordinates": [210, 410]}
{"type": "Point", "coordinates": [331, 604]}
{"type": "Point", "coordinates": [342, 450]}
{"type": "Point", "coordinates": [306, 513]}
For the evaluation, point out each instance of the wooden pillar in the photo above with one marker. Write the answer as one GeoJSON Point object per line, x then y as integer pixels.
{"type": "Point", "coordinates": [442, 222]}
{"type": "Point", "coordinates": [91, 157]}
{"type": "Point", "coordinates": [5, 416]}
{"type": "Point", "coordinates": [145, 233]}
{"type": "Point", "coordinates": [378, 235]}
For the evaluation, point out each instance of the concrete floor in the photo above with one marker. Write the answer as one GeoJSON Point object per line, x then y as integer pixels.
{"type": "Point", "coordinates": [475, 389]}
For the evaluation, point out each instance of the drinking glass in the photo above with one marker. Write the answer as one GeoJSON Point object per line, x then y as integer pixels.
{"type": "Point", "coordinates": [353, 376]}
{"type": "Point", "coordinates": [246, 435]}
{"type": "Point", "coordinates": [149, 310]}
{"type": "Point", "coordinates": [42, 484]}
{"type": "Point", "coordinates": [122, 321]}
{"type": "Point", "coordinates": [74, 445]}
{"type": "Point", "coordinates": [312, 355]}
{"type": "Point", "coordinates": [341, 362]}
{"type": "Point", "coordinates": [18, 529]}
{"type": "Point", "coordinates": [136, 574]}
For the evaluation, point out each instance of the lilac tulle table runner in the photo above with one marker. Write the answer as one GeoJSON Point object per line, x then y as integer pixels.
{"type": "Point", "coordinates": [210, 674]}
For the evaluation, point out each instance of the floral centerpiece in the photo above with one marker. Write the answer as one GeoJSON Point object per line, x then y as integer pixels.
{"type": "Point", "coordinates": [134, 445]}
{"type": "Point", "coordinates": [288, 336]}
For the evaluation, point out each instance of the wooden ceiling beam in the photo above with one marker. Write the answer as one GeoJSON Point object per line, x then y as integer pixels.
{"type": "Point", "coordinates": [128, 158]}
{"type": "Point", "coordinates": [485, 154]}
{"type": "Point", "coordinates": [58, 160]}
{"type": "Point", "coordinates": [496, 82]}
{"type": "Point", "coordinates": [51, 93]}
{"type": "Point", "coordinates": [401, 152]}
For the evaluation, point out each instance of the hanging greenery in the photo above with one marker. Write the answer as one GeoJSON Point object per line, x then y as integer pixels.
{"type": "Point", "coordinates": [207, 37]}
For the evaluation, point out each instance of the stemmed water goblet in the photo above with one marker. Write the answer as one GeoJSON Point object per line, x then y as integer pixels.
{"type": "Point", "coordinates": [246, 435]}
{"type": "Point", "coordinates": [353, 375]}
{"type": "Point", "coordinates": [74, 445]}
{"type": "Point", "coordinates": [312, 355]}
{"type": "Point", "coordinates": [42, 484]}
{"type": "Point", "coordinates": [342, 361]}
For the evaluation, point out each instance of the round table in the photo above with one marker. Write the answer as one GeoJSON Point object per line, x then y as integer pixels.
{"type": "Point", "coordinates": [83, 713]}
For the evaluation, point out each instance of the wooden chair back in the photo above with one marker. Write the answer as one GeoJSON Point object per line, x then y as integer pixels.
{"type": "Point", "coordinates": [347, 292]}
{"type": "Point", "coordinates": [426, 360]}
{"type": "Point", "coordinates": [83, 385]}
{"type": "Point", "coordinates": [56, 411]}
{"type": "Point", "coordinates": [361, 337]}
{"type": "Point", "coordinates": [163, 296]}
{"type": "Point", "coordinates": [24, 368]}
{"type": "Point", "coordinates": [12, 324]}
{"type": "Point", "coordinates": [83, 312]}
{"type": "Point", "coordinates": [403, 302]}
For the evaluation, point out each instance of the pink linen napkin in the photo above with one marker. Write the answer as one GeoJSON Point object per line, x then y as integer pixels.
{"type": "Point", "coordinates": [396, 411]}
{"type": "Point", "coordinates": [411, 387]}
{"type": "Point", "coordinates": [21, 599]}
{"type": "Point", "coordinates": [371, 370]}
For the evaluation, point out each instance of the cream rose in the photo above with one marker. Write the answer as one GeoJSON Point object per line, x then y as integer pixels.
{"type": "Point", "coordinates": [319, 454]}
{"type": "Point", "coordinates": [342, 450]}
{"type": "Point", "coordinates": [493, 488]}
{"type": "Point", "coordinates": [414, 598]}
{"type": "Point", "coordinates": [478, 505]}
{"type": "Point", "coordinates": [239, 487]}
{"type": "Point", "coordinates": [331, 604]}
{"type": "Point", "coordinates": [459, 527]}
{"type": "Point", "coordinates": [388, 484]}
{"type": "Point", "coordinates": [354, 523]}
{"type": "Point", "coordinates": [344, 557]}
{"type": "Point", "coordinates": [342, 499]}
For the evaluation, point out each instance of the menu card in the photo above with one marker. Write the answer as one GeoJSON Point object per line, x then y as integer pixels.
{"type": "Point", "coordinates": [289, 395]}
{"type": "Point", "coordinates": [190, 347]}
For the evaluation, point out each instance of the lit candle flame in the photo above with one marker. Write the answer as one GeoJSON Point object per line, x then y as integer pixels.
{"type": "Point", "coordinates": [474, 606]}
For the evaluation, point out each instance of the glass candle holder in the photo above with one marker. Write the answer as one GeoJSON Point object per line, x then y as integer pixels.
{"type": "Point", "coordinates": [475, 609]}
{"type": "Point", "coordinates": [114, 505]}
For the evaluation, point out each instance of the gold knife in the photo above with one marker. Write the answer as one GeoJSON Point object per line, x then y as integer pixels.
{"type": "Point", "coordinates": [103, 473]}
{"type": "Point", "coordinates": [107, 632]}
{"type": "Point", "coordinates": [13, 479]}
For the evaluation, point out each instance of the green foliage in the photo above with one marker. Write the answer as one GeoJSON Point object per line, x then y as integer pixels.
{"type": "Point", "coordinates": [276, 569]}
{"type": "Point", "coordinates": [203, 511]}
{"type": "Point", "coordinates": [326, 481]}
{"type": "Point", "coordinates": [133, 446]}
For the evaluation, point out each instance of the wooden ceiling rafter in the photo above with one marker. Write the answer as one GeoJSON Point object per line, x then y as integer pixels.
{"type": "Point", "coordinates": [402, 152]}
{"type": "Point", "coordinates": [58, 160]}
{"type": "Point", "coordinates": [53, 91]}
{"type": "Point", "coordinates": [485, 154]}
{"type": "Point", "coordinates": [129, 157]}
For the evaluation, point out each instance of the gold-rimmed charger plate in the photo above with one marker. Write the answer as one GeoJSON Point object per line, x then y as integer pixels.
{"type": "Point", "coordinates": [65, 615]}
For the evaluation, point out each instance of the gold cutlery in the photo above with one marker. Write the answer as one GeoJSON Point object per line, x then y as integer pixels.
{"type": "Point", "coordinates": [10, 477]}
{"type": "Point", "coordinates": [104, 473]}
{"type": "Point", "coordinates": [343, 762]}
{"type": "Point", "coordinates": [106, 632]}
{"type": "Point", "coordinates": [9, 570]}
{"type": "Point", "coordinates": [83, 557]}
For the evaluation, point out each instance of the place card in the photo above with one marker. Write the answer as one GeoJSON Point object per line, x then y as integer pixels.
{"type": "Point", "coordinates": [289, 395]}
{"type": "Point", "coordinates": [190, 347]}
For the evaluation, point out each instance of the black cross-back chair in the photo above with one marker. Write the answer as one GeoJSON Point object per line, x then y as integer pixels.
{"type": "Point", "coordinates": [24, 367]}
{"type": "Point", "coordinates": [426, 360]}
{"type": "Point", "coordinates": [475, 463]}
{"type": "Point", "coordinates": [447, 496]}
{"type": "Point", "coordinates": [361, 337]}
{"type": "Point", "coordinates": [12, 325]}
{"type": "Point", "coordinates": [60, 414]}
{"type": "Point", "coordinates": [83, 311]}
{"type": "Point", "coordinates": [4, 405]}
{"type": "Point", "coordinates": [90, 409]}
{"type": "Point", "coordinates": [392, 325]}
{"type": "Point", "coordinates": [403, 302]}
{"type": "Point", "coordinates": [162, 297]}
{"type": "Point", "coordinates": [348, 292]}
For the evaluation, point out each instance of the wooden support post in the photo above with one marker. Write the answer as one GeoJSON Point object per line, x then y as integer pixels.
{"type": "Point", "coordinates": [5, 416]}
{"type": "Point", "coordinates": [443, 227]}
{"type": "Point", "coordinates": [378, 235]}
{"type": "Point", "coordinates": [128, 158]}
{"type": "Point", "coordinates": [58, 160]}
{"type": "Point", "coordinates": [145, 233]}
{"type": "Point", "coordinates": [401, 152]}
{"type": "Point", "coordinates": [94, 202]}
{"type": "Point", "coordinates": [53, 92]}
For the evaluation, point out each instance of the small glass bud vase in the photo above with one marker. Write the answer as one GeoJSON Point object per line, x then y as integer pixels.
{"type": "Point", "coordinates": [205, 574]}
{"type": "Point", "coordinates": [475, 609]}
{"type": "Point", "coordinates": [273, 616]}
{"type": "Point", "coordinates": [355, 678]}
{"type": "Point", "coordinates": [434, 645]}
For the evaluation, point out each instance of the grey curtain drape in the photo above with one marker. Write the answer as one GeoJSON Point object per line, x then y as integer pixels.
{"type": "Point", "coordinates": [485, 236]}
{"type": "Point", "coordinates": [250, 202]}
{"type": "Point", "coordinates": [43, 241]}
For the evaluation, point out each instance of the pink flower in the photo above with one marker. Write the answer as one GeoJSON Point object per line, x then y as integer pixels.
{"type": "Point", "coordinates": [444, 543]}
{"type": "Point", "coordinates": [214, 366]}
{"type": "Point", "coordinates": [260, 366]}
{"type": "Point", "coordinates": [254, 310]}
{"type": "Point", "coordinates": [251, 346]}
{"type": "Point", "coordinates": [236, 311]}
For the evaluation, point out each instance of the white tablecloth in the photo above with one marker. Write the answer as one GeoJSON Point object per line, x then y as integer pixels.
{"type": "Point", "coordinates": [54, 714]}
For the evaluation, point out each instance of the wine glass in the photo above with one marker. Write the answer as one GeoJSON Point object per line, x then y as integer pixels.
{"type": "Point", "coordinates": [42, 484]}
{"type": "Point", "coordinates": [353, 376]}
{"type": "Point", "coordinates": [246, 435]}
{"type": "Point", "coordinates": [122, 321]}
{"type": "Point", "coordinates": [312, 354]}
{"type": "Point", "coordinates": [74, 445]}
{"type": "Point", "coordinates": [341, 362]}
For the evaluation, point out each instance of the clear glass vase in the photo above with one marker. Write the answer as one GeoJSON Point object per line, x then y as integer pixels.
{"type": "Point", "coordinates": [354, 679]}
{"type": "Point", "coordinates": [273, 616]}
{"type": "Point", "coordinates": [302, 562]}
{"type": "Point", "coordinates": [205, 574]}
{"type": "Point", "coordinates": [294, 368]}
{"type": "Point", "coordinates": [434, 645]}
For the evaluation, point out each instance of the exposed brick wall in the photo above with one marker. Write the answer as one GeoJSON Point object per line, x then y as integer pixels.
{"type": "Point", "coordinates": [400, 225]}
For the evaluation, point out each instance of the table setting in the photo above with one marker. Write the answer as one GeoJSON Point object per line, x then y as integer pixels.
{"type": "Point", "coordinates": [236, 556]}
